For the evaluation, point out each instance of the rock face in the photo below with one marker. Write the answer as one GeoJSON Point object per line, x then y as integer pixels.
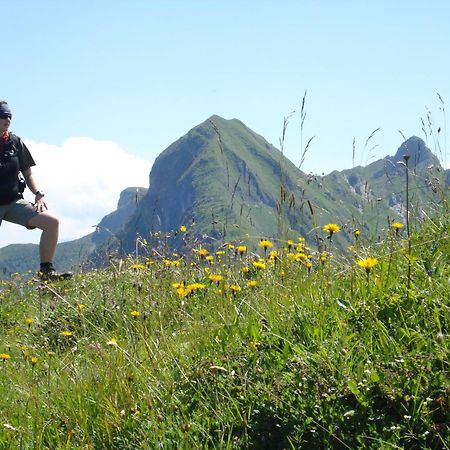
{"type": "Point", "coordinates": [112, 223]}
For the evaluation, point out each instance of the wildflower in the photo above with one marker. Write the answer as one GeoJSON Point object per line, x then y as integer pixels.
{"type": "Point", "coordinates": [29, 321]}
{"type": "Point", "coordinates": [241, 249]}
{"type": "Point", "coordinates": [356, 233]}
{"type": "Point", "coordinates": [397, 226]}
{"type": "Point", "coordinates": [324, 256]}
{"type": "Point", "coordinates": [252, 283]}
{"type": "Point", "coordinates": [202, 252]}
{"type": "Point", "coordinates": [331, 228]}
{"type": "Point", "coordinates": [210, 258]}
{"type": "Point", "coordinates": [234, 288]}
{"type": "Point", "coordinates": [81, 306]}
{"type": "Point", "coordinates": [273, 255]}
{"type": "Point", "coordinates": [368, 263]}
{"type": "Point", "coordinates": [300, 257]}
{"type": "Point", "coordinates": [259, 265]}
{"type": "Point", "coordinates": [215, 278]}
{"type": "Point", "coordinates": [66, 333]}
{"type": "Point", "coordinates": [137, 266]}
{"type": "Point", "coordinates": [230, 246]}
{"type": "Point", "coordinates": [246, 269]}
{"type": "Point", "coordinates": [135, 313]}
{"type": "Point", "coordinates": [265, 244]}
{"type": "Point", "coordinates": [220, 253]}
{"type": "Point", "coordinates": [183, 229]}
{"type": "Point", "coordinates": [290, 244]}
{"type": "Point", "coordinates": [191, 288]}
{"type": "Point", "coordinates": [5, 356]}
{"type": "Point", "coordinates": [34, 360]}
{"type": "Point", "coordinates": [112, 341]}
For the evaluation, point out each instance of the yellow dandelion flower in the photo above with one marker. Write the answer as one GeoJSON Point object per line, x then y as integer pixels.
{"type": "Point", "coordinates": [290, 244]}
{"type": "Point", "coordinates": [220, 252]}
{"type": "Point", "coordinates": [397, 226]}
{"type": "Point", "coordinates": [265, 244]}
{"type": "Point", "coordinates": [300, 257]}
{"type": "Point", "coordinates": [80, 306]}
{"type": "Point", "coordinates": [241, 249]}
{"type": "Point", "coordinates": [356, 233]}
{"type": "Point", "coordinates": [210, 258]}
{"type": "Point", "coordinates": [252, 283]}
{"type": "Point", "coordinates": [112, 341]}
{"type": "Point", "coordinates": [259, 265]}
{"type": "Point", "coordinates": [215, 278]}
{"type": "Point", "coordinates": [191, 288]}
{"type": "Point", "coordinates": [367, 263]}
{"type": "Point", "coordinates": [5, 356]}
{"type": "Point", "coordinates": [29, 321]}
{"type": "Point", "coordinates": [135, 313]}
{"type": "Point", "coordinates": [230, 246]}
{"type": "Point", "coordinates": [202, 252]}
{"type": "Point", "coordinates": [66, 333]}
{"type": "Point", "coordinates": [183, 228]}
{"type": "Point", "coordinates": [34, 360]}
{"type": "Point", "coordinates": [246, 269]}
{"type": "Point", "coordinates": [234, 288]}
{"type": "Point", "coordinates": [137, 266]}
{"type": "Point", "coordinates": [331, 228]}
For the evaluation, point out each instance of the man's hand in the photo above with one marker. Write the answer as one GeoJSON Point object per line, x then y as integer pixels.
{"type": "Point", "coordinates": [39, 203]}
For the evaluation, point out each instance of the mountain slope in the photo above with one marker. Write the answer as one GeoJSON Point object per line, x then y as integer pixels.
{"type": "Point", "coordinates": [227, 183]}
{"type": "Point", "coordinates": [231, 182]}
{"type": "Point", "coordinates": [233, 185]}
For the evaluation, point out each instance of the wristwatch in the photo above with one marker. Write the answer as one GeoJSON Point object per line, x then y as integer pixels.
{"type": "Point", "coordinates": [40, 193]}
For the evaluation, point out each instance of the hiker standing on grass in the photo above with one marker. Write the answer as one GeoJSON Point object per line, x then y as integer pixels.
{"type": "Point", "coordinates": [15, 172]}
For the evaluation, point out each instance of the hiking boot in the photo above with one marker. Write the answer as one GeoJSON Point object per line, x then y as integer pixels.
{"type": "Point", "coordinates": [48, 273]}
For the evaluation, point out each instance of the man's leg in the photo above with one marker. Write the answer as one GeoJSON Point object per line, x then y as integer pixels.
{"type": "Point", "coordinates": [49, 224]}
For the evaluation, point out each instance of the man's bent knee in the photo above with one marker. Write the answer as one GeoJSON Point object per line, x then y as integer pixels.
{"type": "Point", "coordinates": [44, 221]}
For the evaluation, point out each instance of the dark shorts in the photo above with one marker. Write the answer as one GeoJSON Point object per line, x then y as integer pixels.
{"type": "Point", "coordinates": [20, 212]}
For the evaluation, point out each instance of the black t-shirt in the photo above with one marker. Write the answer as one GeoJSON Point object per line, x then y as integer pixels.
{"type": "Point", "coordinates": [14, 158]}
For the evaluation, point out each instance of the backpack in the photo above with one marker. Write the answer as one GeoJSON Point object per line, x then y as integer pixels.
{"type": "Point", "coordinates": [11, 190]}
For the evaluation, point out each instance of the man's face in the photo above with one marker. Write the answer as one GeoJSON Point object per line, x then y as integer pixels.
{"type": "Point", "coordinates": [5, 121]}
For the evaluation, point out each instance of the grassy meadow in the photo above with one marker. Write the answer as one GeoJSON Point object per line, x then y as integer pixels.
{"type": "Point", "coordinates": [275, 347]}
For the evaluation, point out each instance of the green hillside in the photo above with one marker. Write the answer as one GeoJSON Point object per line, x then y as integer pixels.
{"type": "Point", "coordinates": [289, 350]}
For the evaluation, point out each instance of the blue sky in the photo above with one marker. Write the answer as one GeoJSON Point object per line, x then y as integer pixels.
{"type": "Point", "coordinates": [139, 74]}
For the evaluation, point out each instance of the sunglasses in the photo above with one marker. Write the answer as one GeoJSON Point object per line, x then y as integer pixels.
{"type": "Point", "coordinates": [5, 116]}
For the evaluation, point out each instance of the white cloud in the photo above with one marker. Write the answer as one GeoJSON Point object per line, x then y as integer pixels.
{"type": "Point", "coordinates": [82, 181]}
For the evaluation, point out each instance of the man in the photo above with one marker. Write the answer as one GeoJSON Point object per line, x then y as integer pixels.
{"type": "Point", "coordinates": [15, 170]}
